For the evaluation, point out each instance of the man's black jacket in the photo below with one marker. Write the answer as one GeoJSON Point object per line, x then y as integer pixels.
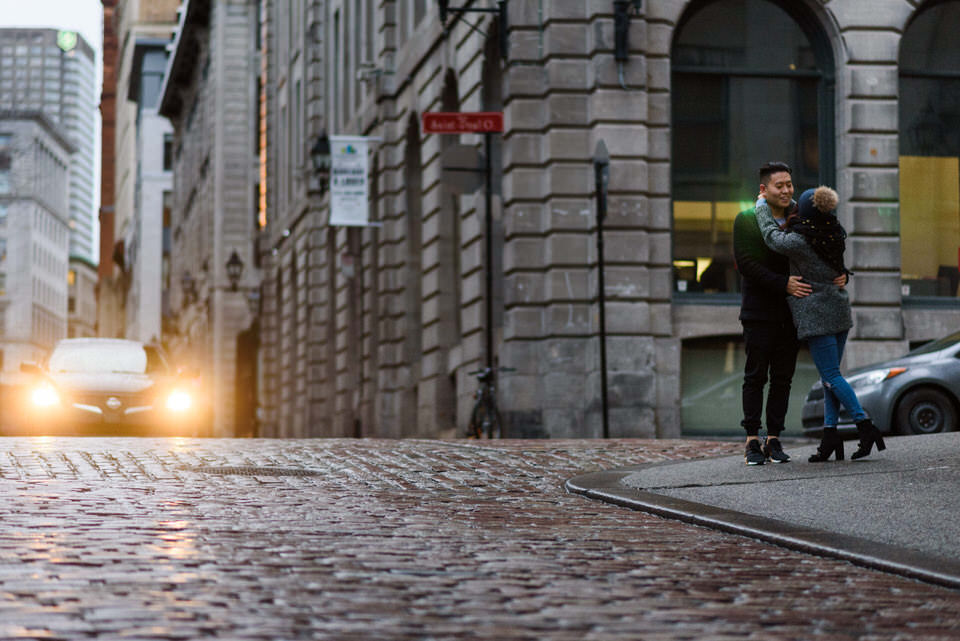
{"type": "Point", "coordinates": [764, 273]}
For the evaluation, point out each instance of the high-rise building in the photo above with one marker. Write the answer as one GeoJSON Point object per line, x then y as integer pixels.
{"type": "Point", "coordinates": [34, 236]}
{"type": "Point", "coordinates": [54, 72]}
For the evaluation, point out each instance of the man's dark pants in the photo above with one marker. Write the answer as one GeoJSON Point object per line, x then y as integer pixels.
{"type": "Point", "coordinates": [771, 353]}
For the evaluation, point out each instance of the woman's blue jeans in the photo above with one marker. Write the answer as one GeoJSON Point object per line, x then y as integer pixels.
{"type": "Point", "coordinates": [827, 352]}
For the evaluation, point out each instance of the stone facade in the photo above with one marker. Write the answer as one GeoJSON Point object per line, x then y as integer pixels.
{"type": "Point", "coordinates": [144, 29]}
{"type": "Point", "coordinates": [209, 96]}
{"type": "Point", "coordinates": [373, 331]}
{"type": "Point", "coordinates": [82, 299]}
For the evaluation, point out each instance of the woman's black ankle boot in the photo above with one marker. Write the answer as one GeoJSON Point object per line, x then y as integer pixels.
{"type": "Point", "coordinates": [869, 435]}
{"type": "Point", "coordinates": [829, 443]}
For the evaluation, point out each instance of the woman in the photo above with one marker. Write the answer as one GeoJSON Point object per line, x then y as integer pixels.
{"type": "Point", "coordinates": [815, 242]}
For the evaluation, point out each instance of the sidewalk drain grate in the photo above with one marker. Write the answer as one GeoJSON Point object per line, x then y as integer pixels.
{"type": "Point", "coordinates": [253, 470]}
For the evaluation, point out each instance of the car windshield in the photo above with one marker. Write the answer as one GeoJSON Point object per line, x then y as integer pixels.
{"type": "Point", "coordinates": [937, 345]}
{"type": "Point", "coordinates": [113, 358]}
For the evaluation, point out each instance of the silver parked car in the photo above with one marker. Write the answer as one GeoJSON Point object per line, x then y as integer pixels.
{"type": "Point", "coordinates": [918, 393]}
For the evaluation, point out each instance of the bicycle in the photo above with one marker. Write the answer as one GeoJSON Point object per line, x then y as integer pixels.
{"type": "Point", "coordinates": [485, 420]}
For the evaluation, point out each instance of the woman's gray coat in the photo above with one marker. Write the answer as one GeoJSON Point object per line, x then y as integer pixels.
{"type": "Point", "coordinates": [827, 309]}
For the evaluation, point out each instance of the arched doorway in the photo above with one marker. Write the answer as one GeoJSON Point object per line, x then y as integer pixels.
{"type": "Point", "coordinates": [929, 114]}
{"type": "Point", "coordinates": [752, 81]}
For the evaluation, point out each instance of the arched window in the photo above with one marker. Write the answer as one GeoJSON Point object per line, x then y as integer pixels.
{"type": "Point", "coordinates": [930, 152]}
{"type": "Point", "coordinates": [752, 81]}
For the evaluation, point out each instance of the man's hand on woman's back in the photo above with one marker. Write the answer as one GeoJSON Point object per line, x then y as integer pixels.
{"type": "Point", "coordinates": [797, 288]}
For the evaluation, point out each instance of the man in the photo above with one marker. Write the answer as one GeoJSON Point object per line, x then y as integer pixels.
{"type": "Point", "coordinates": [769, 335]}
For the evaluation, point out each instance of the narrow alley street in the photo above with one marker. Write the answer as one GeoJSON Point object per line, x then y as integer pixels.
{"type": "Point", "coordinates": [343, 539]}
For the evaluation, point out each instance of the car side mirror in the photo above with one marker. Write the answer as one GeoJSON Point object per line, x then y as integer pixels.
{"type": "Point", "coordinates": [31, 368]}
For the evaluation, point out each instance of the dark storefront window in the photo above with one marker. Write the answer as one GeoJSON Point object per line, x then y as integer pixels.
{"type": "Point", "coordinates": [712, 382]}
{"type": "Point", "coordinates": [749, 85]}
{"type": "Point", "coordinates": [930, 153]}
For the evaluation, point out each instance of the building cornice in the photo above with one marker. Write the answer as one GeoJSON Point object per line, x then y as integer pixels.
{"type": "Point", "coordinates": [44, 121]}
{"type": "Point", "coordinates": [194, 20]}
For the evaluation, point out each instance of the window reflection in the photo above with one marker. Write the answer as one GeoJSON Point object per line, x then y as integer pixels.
{"type": "Point", "coordinates": [737, 102]}
{"type": "Point", "coordinates": [711, 380]}
{"type": "Point", "coordinates": [930, 146]}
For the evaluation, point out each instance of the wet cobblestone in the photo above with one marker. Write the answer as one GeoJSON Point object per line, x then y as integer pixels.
{"type": "Point", "coordinates": [127, 539]}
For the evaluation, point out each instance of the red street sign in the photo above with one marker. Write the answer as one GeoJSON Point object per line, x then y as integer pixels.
{"type": "Point", "coordinates": [456, 122]}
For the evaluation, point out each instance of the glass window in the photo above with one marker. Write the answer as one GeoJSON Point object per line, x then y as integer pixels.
{"type": "Point", "coordinates": [930, 153]}
{"type": "Point", "coordinates": [711, 382]}
{"type": "Point", "coordinates": [737, 103]}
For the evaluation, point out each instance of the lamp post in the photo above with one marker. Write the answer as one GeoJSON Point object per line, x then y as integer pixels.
{"type": "Point", "coordinates": [601, 172]}
{"type": "Point", "coordinates": [322, 159]}
{"type": "Point", "coordinates": [234, 270]}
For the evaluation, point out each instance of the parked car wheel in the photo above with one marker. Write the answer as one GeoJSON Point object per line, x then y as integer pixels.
{"type": "Point", "coordinates": [926, 411]}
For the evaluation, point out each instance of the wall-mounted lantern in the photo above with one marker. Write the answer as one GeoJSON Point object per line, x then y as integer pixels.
{"type": "Point", "coordinates": [322, 159]}
{"type": "Point", "coordinates": [234, 270]}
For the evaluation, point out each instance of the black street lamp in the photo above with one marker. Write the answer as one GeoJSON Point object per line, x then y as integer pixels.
{"type": "Point", "coordinates": [601, 171]}
{"type": "Point", "coordinates": [322, 159]}
{"type": "Point", "coordinates": [234, 270]}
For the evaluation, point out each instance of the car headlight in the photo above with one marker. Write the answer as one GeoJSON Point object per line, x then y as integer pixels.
{"type": "Point", "coordinates": [45, 396]}
{"type": "Point", "coordinates": [874, 377]}
{"type": "Point", "coordinates": [179, 401]}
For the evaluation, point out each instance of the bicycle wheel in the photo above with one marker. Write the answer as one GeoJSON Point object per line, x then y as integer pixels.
{"type": "Point", "coordinates": [485, 422]}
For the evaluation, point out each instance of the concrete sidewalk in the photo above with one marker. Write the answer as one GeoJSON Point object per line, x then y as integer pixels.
{"type": "Point", "coordinates": [896, 510]}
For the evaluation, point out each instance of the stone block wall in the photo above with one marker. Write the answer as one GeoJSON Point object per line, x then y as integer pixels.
{"type": "Point", "coordinates": [387, 349]}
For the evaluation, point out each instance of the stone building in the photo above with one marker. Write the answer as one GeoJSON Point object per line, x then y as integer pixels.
{"type": "Point", "coordinates": [132, 278]}
{"type": "Point", "coordinates": [35, 157]}
{"type": "Point", "coordinates": [209, 96]}
{"type": "Point", "coordinates": [372, 331]}
{"type": "Point", "coordinates": [109, 309]}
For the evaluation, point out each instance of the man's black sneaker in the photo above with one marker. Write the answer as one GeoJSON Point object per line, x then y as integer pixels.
{"type": "Point", "coordinates": [773, 451]}
{"type": "Point", "coordinates": [754, 454]}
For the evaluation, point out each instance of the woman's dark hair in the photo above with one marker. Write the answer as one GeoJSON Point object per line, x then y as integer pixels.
{"type": "Point", "coordinates": [770, 168]}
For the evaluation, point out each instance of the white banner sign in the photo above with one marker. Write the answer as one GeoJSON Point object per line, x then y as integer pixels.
{"type": "Point", "coordinates": [349, 181]}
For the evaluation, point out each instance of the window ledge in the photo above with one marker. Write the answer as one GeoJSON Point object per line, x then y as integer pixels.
{"type": "Point", "coordinates": [726, 299]}
{"type": "Point", "coordinates": [934, 302]}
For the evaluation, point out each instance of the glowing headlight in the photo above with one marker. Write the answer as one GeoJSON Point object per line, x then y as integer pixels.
{"type": "Point", "coordinates": [875, 377]}
{"type": "Point", "coordinates": [45, 396]}
{"type": "Point", "coordinates": [179, 401]}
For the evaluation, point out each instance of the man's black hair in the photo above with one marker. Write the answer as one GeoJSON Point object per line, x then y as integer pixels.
{"type": "Point", "coordinates": [772, 167]}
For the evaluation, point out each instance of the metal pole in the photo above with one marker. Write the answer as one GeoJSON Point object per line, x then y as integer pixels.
{"type": "Point", "coordinates": [601, 172]}
{"type": "Point", "coordinates": [489, 255]}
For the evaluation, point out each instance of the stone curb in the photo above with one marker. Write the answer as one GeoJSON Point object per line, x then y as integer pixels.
{"type": "Point", "coordinates": [606, 486]}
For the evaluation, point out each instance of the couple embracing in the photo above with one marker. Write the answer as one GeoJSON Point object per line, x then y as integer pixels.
{"type": "Point", "coordinates": [790, 257]}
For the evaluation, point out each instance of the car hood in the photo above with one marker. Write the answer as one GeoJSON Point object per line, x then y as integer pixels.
{"type": "Point", "coordinates": [903, 361]}
{"type": "Point", "coordinates": [108, 383]}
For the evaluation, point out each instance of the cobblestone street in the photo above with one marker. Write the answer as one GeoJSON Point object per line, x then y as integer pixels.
{"type": "Point", "coordinates": [338, 539]}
